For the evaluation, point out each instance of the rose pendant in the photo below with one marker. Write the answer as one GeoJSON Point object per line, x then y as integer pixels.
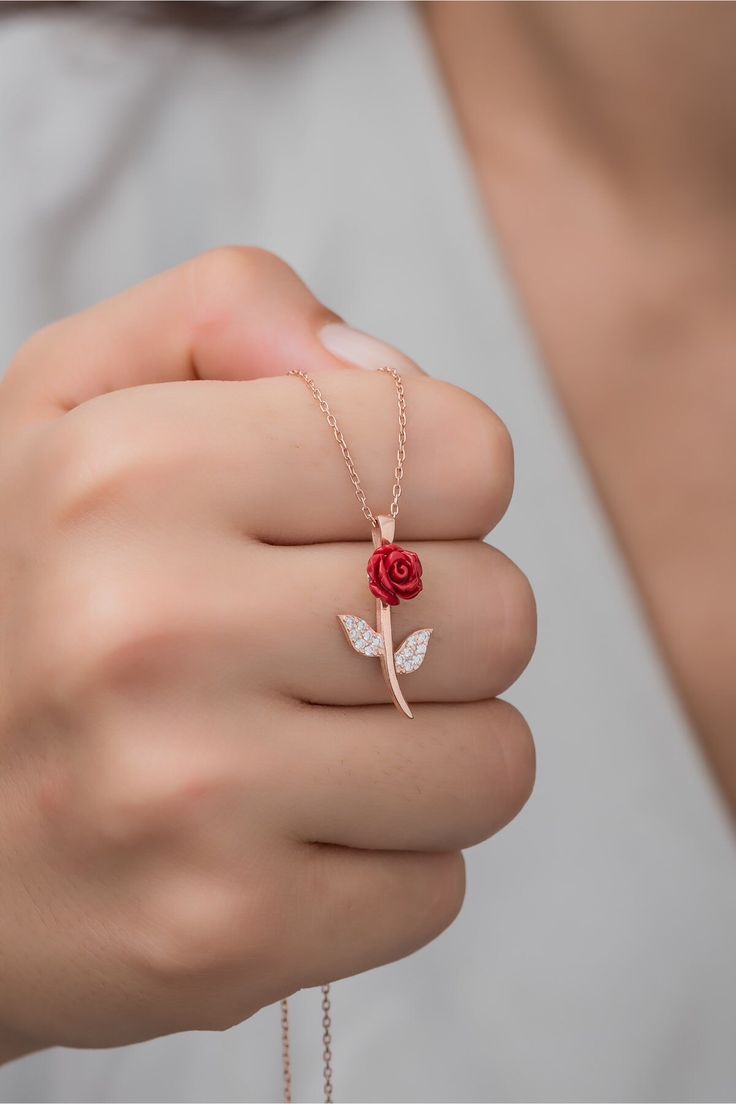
{"type": "Point", "coordinates": [394, 575]}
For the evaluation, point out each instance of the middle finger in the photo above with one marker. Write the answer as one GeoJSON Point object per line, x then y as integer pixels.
{"type": "Point", "coordinates": [477, 602]}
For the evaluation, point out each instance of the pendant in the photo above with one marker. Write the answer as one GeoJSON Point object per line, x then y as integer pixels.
{"type": "Point", "coordinates": [394, 574]}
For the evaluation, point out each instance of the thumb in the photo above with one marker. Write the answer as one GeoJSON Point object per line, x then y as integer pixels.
{"type": "Point", "coordinates": [354, 347]}
{"type": "Point", "coordinates": [230, 314]}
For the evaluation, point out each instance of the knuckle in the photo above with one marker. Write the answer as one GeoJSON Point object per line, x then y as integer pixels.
{"type": "Point", "coordinates": [517, 758]}
{"type": "Point", "coordinates": [445, 890]}
{"type": "Point", "coordinates": [521, 621]}
{"type": "Point", "coordinates": [33, 350]}
{"type": "Point", "coordinates": [56, 805]}
{"type": "Point", "coordinates": [150, 788]}
{"type": "Point", "coordinates": [97, 458]}
{"type": "Point", "coordinates": [203, 930]}
{"type": "Point", "coordinates": [491, 480]}
{"type": "Point", "coordinates": [225, 272]}
{"type": "Point", "coordinates": [500, 771]}
{"type": "Point", "coordinates": [119, 629]}
{"type": "Point", "coordinates": [223, 265]}
{"type": "Point", "coordinates": [118, 635]}
{"type": "Point", "coordinates": [501, 617]}
{"type": "Point", "coordinates": [481, 439]}
{"type": "Point", "coordinates": [510, 619]}
{"type": "Point", "coordinates": [129, 636]}
{"type": "Point", "coordinates": [220, 281]}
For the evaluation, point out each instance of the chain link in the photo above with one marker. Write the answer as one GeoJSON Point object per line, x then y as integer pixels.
{"type": "Point", "coordinates": [285, 1051]}
{"type": "Point", "coordinates": [327, 1043]}
{"type": "Point", "coordinates": [326, 1047]}
{"type": "Point", "coordinates": [369, 516]}
{"type": "Point", "coordinates": [349, 462]}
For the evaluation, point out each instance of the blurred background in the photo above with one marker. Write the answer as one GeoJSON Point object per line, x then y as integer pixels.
{"type": "Point", "coordinates": [594, 959]}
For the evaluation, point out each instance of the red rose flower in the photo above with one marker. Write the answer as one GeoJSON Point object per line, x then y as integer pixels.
{"type": "Point", "coordinates": [394, 574]}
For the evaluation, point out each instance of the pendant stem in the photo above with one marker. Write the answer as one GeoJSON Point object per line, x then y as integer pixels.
{"type": "Point", "coordinates": [383, 532]}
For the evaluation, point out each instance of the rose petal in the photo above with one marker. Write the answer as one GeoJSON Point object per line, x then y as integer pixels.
{"type": "Point", "coordinates": [383, 596]}
{"type": "Point", "coordinates": [383, 577]}
{"type": "Point", "coordinates": [393, 573]}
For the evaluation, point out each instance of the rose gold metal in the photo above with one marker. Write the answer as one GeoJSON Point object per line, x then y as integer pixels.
{"type": "Point", "coordinates": [384, 531]}
{"type": "Point", "coordinates": [327, 1044]}
{"type": "Point", "coordinates": [383, 528]}
{"type": "Point", "coordinates": [383, 525]}
{"type": "Point", "coordinates": [349, 463]}
{"type": "Point", "coordinates": [326, 1047]}
{"type": "Point", "coordinates": [285, 1051]}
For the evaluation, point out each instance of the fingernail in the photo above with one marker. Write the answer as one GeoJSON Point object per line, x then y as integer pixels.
{"type": "Point", "coordinates": [363, 350]}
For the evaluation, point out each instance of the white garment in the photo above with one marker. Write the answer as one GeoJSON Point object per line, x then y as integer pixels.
{"type": "Point", "coordinates": [594, 959]}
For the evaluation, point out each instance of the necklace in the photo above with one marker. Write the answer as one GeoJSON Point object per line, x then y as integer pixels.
{"type": "Point", "coordinates": [394, 575]}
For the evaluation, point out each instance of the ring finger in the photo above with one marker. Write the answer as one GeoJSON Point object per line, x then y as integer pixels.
{"type": "Point", "coordinates": [366, 778]}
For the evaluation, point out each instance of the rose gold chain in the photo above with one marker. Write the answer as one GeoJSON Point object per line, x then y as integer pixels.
{"type": "Point", "coordinates": [285, 1051]}
{"type": "Point", "coordinates": [327, 1043]}
{"type": "Point", "coordinates": [326, 1047]}
{"type": "Point", "coordinates": [349, 462]}
{"type": "Point", "coordinates": [369, 516]}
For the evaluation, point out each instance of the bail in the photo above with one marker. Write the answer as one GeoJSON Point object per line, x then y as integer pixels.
{"type": "Point", "coordinates": [383, 531]}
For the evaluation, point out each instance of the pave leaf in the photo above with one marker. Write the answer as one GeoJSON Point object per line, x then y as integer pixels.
{"type": "Point", "coordinates": [362, 637]}
{"type": "Point", "coordinates": [409, 656]}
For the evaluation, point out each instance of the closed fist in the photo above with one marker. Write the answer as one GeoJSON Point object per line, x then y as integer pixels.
{"type": "Point", "coordinates": [206, 799]}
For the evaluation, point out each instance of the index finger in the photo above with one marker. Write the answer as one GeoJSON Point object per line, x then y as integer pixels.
{"type": "Point", "coordinates": [260, 457]}
{"type": "Point", "coordinates": [232, 313]}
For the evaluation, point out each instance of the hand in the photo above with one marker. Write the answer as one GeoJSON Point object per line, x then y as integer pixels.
{"type": "Point", "coordinates": [206, 801]}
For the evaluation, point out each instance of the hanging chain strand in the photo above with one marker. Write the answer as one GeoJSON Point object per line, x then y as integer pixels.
{"type": "Point", "coordinates": [285, 1051]}
{"type": "Point", "coordinates": [327, 1043]}
{"type": "Point", "coordinates": [326, 1047]}
{"type": "Point", "coordinates": [349, 462]}
{"type": "Point", "coordinates": [369, 516]}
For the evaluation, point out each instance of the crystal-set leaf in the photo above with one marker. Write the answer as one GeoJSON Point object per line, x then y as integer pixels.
{"type": "Point", "coordinates": [409, 656]}
{"type": "Point", "coordinates": [361, 636]}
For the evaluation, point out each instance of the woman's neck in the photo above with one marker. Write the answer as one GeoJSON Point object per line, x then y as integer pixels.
{"type": "Point", "coordinates": [642, 94]}
{"type": "Point", "coordinates": [603, 137]}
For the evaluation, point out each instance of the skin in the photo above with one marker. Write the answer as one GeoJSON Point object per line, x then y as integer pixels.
{"type": "Point", "coordinates": [200, 812]}
{"type": "Point", "coordinates": [206, 802]}
{"type": "Point", "coordinates": [603, 137]}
